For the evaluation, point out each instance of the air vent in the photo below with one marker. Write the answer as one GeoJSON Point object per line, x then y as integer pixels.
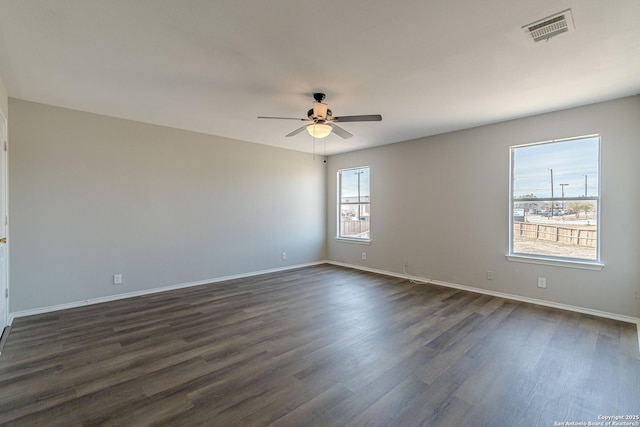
{"type": "Point", "coordinates": [551, 26]}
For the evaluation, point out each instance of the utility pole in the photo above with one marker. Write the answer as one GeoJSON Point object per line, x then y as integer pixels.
{"type": "Point", "coordinates": [563, 185]}
{"type": "Point", "coordinates": [585, 186]}
{"type": "Point", "coordinates": [359, 205]}
{"type": "Point", "coordinates": [551, 192]}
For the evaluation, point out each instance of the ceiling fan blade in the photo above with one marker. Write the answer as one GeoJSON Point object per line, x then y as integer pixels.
{"type": "Point", "coordinates": [284, 118]}
{"type": "Point", "coordinates": [341, 132]}
{"type": "Point", "coordinates": [297, 131]}
{"type": "Point", "coordinates": [364, 118]}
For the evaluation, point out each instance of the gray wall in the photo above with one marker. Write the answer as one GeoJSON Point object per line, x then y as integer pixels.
{"type": "Point", "coordinates": [442, 203]}
{"type": "Point", "coordinates": [92, 196]}
{"type": "Point", "coordinates": [4, 100]}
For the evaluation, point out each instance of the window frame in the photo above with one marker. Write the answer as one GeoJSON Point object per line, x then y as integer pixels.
{"type": "Point", "coordinates": [339, 236]}
{"type": "Point", "coordinates": [571, 262]}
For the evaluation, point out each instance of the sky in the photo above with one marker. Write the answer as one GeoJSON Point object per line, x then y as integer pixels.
{"type": "Point", "coordinates": [570, 161]}
{"type": "Point", "coordinates": [350, 182]}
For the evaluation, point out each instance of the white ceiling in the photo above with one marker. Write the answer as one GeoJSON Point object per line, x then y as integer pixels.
{"type": "Point", "coordinates": [213, 66]}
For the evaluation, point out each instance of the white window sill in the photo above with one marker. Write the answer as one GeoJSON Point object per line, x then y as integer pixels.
{"type": "Point", "coordinates": [583, 265]}
{"type": "Point", "coordinates": [357, 241]}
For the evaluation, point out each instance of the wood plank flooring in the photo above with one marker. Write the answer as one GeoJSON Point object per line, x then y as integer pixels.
{"type": "Point", "coordinates": [319, 346]}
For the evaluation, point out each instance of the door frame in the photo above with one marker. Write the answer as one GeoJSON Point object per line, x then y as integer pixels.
{"type": "Point", "coordinates": [4, 220]}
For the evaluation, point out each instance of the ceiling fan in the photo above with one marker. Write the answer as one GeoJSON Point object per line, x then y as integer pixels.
{"type": "Point", "coordinates": [323, 122]}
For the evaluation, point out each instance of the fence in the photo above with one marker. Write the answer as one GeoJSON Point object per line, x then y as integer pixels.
{"type": "Point", "coordinates": [554, 233]}
{"type": "Point", "coordinates": [353, 228]}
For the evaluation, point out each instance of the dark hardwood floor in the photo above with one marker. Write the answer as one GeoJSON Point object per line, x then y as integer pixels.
{"type": "Point", "coordinates": [319, 346]}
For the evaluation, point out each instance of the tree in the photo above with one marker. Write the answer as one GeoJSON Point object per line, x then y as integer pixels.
{"type": "Point", "coordinates": [585, 207]}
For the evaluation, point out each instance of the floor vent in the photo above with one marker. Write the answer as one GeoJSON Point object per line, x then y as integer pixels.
{"type": "Point", "coordinates": [551, 26]}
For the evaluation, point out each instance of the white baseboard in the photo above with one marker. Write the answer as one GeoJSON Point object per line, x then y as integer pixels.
{"type": "Point", "coordinates": [373, 270]}
{"type": "Point", "coordinates": [597, 313]}
{"type": "Point", "coordinates": [74, 304]}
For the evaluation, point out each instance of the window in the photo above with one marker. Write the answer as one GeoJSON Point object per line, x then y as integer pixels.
{"type": "Point", "coordinates": [353, 204]}
{"type": "Point", "coordinates": [555, 198]}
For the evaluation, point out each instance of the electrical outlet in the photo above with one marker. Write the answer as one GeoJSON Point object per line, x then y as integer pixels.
{"type": "Point", "coordinates": [489, 275]}
{"type": "Point", "coordinates": [364, 255]}
{"type": "Point", "coordinates": [117, 279]}
{"type": "Point", "coordinates": [542, 282]}
{"type": "Point", "coordinates": [284, 255]}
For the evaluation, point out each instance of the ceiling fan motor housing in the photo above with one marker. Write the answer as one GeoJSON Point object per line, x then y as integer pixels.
{"type": "Point", "coordinates": [312, 116]}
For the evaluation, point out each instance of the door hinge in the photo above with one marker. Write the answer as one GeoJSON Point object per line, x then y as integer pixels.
{"type": "Point", "coordinates": [6, 148]}
{"type": "Point", "coordinates": [6, 293]}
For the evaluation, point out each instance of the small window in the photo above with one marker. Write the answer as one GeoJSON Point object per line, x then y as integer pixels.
{"type": "Point", "coordinates": [555, 200]}
{"type": "Point", "coordinates": [353, 204]}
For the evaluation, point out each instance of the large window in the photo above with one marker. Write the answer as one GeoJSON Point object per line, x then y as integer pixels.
{"type": "Point", "coordinates": [555, 195]}
{"type": "Point", "coordinates": [353, 204]}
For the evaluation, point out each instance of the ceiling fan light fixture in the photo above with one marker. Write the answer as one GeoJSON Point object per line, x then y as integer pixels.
{"type": "Point", "coordinates": [319, 130]}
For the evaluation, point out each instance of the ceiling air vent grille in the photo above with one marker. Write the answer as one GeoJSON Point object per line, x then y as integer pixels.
{"type": "Point", "coordinates": [549, 27]}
